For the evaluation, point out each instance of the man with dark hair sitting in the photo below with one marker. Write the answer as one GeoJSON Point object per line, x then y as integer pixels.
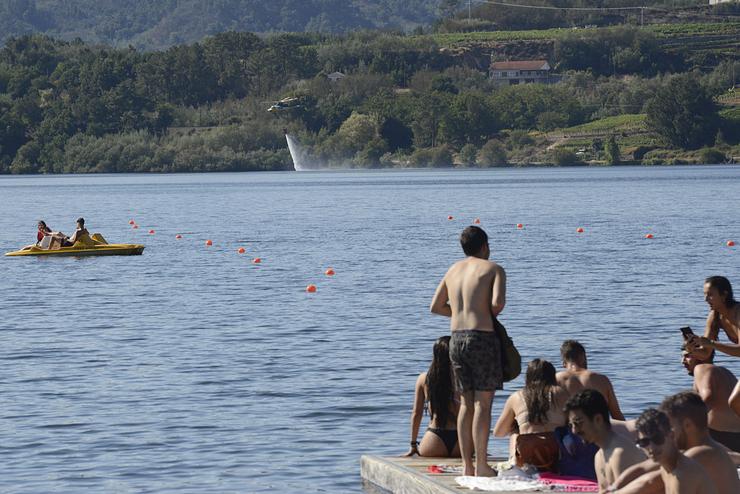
{"type": "Point", "coordinates": [588, 416]}
{"type": "Point", "coordinates": [679, 473]}
{"type": "Point", "coordinates": [576, 377]}
{"type": "Point", "coordinates": [687, 414]}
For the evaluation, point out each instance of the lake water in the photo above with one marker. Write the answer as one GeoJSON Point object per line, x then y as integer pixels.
{"type": "Point", "coordinates": [189, 369]}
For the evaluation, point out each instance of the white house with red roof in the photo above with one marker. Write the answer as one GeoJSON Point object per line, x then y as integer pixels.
{"type": "Point", "coordinates": [522, 72]}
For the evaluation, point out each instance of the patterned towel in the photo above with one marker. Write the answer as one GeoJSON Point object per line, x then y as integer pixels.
{"type": "Point", "coordinates": [547, 482]}
{"type": "Point", "coordinates": [444, 469]}
{"type": "Point", "coordinates": [493, 484]}
{"type": "Point", "coordinates": [566, 483]}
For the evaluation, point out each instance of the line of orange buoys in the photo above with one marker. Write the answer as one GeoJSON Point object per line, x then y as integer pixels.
{"type": "Point", "coordinates": [311, 288]}
{"type": "Point", "coordinates": [580, 229]}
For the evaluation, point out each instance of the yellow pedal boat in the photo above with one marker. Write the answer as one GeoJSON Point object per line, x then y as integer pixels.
{"type": "Point", "coordinates": [86, 246]}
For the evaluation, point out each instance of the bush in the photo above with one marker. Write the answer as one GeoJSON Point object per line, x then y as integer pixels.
{"type": "Point", "coordinates": [565, 157]}
{"type": "Point", "coordinates": [468, 154]}
{"type": "Point", "coordinates": [712, 156]}
{"type": "Point", "coordinates": [432, 157]}
{"type": "Point", "coordinates": [492, 154]}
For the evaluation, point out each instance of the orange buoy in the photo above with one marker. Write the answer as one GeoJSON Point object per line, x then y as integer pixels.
{"type": "Point", "coordinates": [476, 221]}
{"type": "Point", "coordinates": [579, 230]}
{"type": "Point", "coordinates": [256, 260]}
{"type": "Point", "coordinates": [135, 227]}
{"type": "Point", "coordinates": [311, 288]}
{"type": "Point", "coordinates": [151, 232]}
{"type": "Point", "coordinates": [519, 225]}
{"type": "Point", "coordinates": [209, 242]}
{"type": "Point", "coordinates": [241, 250]}
{"type": "Point", "coordinates": [450, 218]}
{"type": "Point", "coordinates": [330, 272]}
{"type": "Point", "coordinates": [730, 243]}
{"type": "Point", "coordinates": [178, 236]}
{"type": "Point", "coordinates": [131, 222]}
{"type": "Point", "coordinates": [649, 235]}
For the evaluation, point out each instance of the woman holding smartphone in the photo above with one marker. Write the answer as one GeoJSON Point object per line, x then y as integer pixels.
{"type": "Point", "coordinates": [724, 314]}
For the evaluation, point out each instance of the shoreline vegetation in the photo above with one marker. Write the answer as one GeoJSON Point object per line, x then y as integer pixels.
{"type": "Point", "coordinates": [661, 94]}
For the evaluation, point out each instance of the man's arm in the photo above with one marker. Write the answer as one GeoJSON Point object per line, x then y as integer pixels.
{"type": "Point", "coordinates": [611, 399]}
{"type": "Point", "coordinates": [631, 474]}
{"type": "Point", "coordinates": [498, 300]}
{"type": "Point", "coordinates": [703, 385]}
{"type": "Point", "coordinates": [440, 301]}
{"type": "Point", "coordinates": [649, 483]}
{"type": "Point", "coordinates": [600, 467]}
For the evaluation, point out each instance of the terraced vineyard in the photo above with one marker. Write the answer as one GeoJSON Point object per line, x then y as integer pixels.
{"type": "Point", "coordinates": [723, 36]}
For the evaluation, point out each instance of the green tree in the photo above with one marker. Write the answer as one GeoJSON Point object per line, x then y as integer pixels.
{"type": "Point", "coordinates": [492, 153]}
{"type": "Point", "coordinates": [612, 151]}
{"type": "Point", "coordinates": [683, 114]}
{"type": "Point", "coordinates": [468, 154]}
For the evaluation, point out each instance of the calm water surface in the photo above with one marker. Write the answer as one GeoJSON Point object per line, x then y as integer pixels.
{"type": "Point", "coordinates": [191, 370]}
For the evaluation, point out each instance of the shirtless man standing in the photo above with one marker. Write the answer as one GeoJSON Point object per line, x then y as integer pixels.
{"type": "Point", "coordinates": [688, 416]}
{"type": "Point", "coordinates": [471, 294]}
{"type": "Point", "coordinates": [680, 474]}
{"type": "Point", "coordinates": [715, 384]}
{"type": "Point", "coordinates": [588, 416]}
{"type": "Point", "coordinates": [576, 377]}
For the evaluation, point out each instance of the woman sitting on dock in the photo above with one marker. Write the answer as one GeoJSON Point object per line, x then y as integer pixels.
{"type": "Point", "coordinates": [435, 386]}
{"type": "Point", "coordinates": [531, 416]}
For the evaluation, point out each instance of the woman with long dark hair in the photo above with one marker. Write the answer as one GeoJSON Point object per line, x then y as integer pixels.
{"type": "Point", "coordinates": [724, 314]}
{"type": "Point", "coordinates": [435, 387]}
{"type": "Point", "coordinates": [531, 416]}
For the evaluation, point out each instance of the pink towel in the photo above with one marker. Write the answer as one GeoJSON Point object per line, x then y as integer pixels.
{"type": "Point", "coordinates": [566, 483]}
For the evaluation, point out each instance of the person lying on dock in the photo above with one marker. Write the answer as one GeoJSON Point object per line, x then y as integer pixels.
{"type": "Point", "coordinates": [435, 387]}
{"type": "Point", "coordinates": [537, 410]}
{"type": "Point", "coordinates": [724, 314]}
{"type": "Point", "coordinates": [576, 377]}
{"type": "Point", "coordinates": [588, 416]}
{"type": "Point", "coordinates": [715, 384]}
{"type": "Point", "coordinates": [679, 473]}
{"type": "Point", "coordinates": [80, 231]}
{"type": "Point", "coordinates": [688, 416]}
{"type": "Point", "coordinates": [471, 294]}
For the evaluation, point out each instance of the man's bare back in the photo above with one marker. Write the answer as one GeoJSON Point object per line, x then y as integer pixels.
{"type": "Point", "coordinates": [475, 291]}
{"type": "Point", "coordinates": [575, 381]}
{"type": "Point", "coordinates": [688, 477]}
{"type": "Point", "coordinates": [715, 384]}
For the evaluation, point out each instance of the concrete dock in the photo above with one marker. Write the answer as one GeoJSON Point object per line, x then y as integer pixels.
{"type": "Point", "coordinates": [401, 475]}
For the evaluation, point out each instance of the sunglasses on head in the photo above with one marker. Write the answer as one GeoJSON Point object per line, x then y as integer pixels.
{"type": "Point", "coordinates": [656, 439]}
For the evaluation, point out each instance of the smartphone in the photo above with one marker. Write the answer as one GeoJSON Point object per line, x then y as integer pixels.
{"type": "Point", "coordinates": [687, 332]}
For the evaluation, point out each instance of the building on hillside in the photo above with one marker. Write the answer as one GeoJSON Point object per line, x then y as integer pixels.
{"type": "Point", "coordinates": [335, 76]}
{"type": "Point", "coordinates": [522, 72]}
{"type": "Point", "coordinates": [715, 2]}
